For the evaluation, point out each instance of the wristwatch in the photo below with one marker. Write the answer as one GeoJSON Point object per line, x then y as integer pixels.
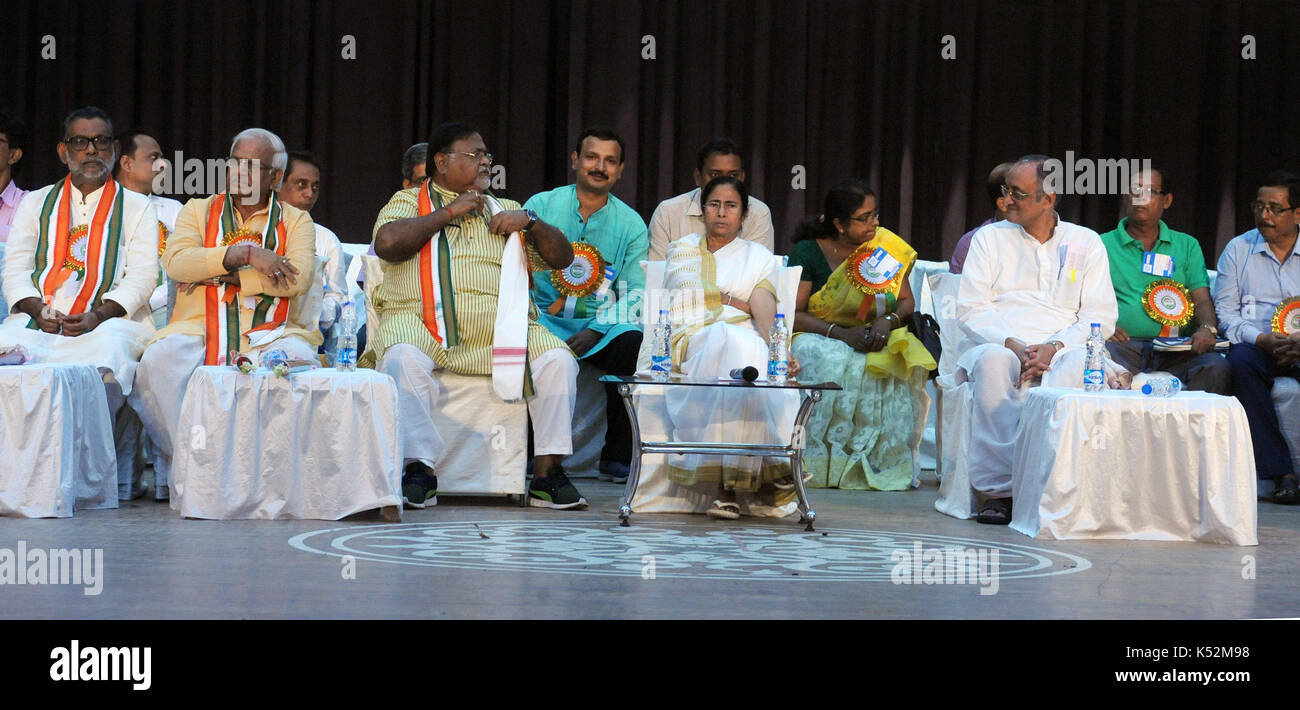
{"type": "Point", "coordinates": [532, 219]}
{"type": "Point", "coordinates": [1213, 331]}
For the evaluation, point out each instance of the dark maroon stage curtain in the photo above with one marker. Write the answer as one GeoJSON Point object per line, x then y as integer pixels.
{"type": "Point", "coordinates": [825, 90]}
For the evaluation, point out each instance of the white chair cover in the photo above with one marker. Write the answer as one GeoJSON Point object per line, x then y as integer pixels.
{"type": "Point", "coordinates": [316, 445]}
{"type": "Point", "coordinates": [487, 439]}
{"type": "Point", "coordinates": [1120, 465]}
{"type": "Point", "coordinates": [56, 441]}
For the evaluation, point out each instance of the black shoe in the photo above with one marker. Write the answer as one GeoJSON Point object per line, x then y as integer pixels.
{"type": "Point", "coordinates": [614, 471]}
{"type": "Point", "coordinates": [419, 486]}
{"type": "Point", "coordinates": [555, 491]}
{"type": "Point", "coordinates": [996, 511]}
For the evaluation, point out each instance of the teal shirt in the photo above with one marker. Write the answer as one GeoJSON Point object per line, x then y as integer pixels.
{"type": "Point", "coordinates": [623, 240]}
{"type": "Point", "coordinates": [1125, 254]}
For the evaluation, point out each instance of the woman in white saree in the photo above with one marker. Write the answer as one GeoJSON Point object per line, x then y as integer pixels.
{"type": "Point", "coordinates": [723, 305]}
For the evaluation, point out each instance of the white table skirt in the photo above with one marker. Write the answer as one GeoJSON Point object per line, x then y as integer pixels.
{"type": "Point", "coordinates": [320, 445]}
{"type": "Point", "coordinates": [1120, 465]}
{"type": "Point", "coordinates": [56, 441]}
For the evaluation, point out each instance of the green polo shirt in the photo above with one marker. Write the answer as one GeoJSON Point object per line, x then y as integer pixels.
{"type": "Point", "coordinates": [1125, 254]}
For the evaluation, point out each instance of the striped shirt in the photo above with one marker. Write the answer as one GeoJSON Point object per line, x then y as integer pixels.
{"type": "Point", "coordinates": [475, 277]}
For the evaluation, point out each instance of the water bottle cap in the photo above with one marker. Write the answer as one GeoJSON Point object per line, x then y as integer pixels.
{"type": "Point", "coordinates": [780, 315]}
{"type": "Point", "coordinates": [1096, 325]}
{"type": "Point", "coordinates": [1146, 389]}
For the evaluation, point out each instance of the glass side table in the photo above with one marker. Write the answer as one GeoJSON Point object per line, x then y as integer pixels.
{"type": "Point", "coordinates": [812, 393]}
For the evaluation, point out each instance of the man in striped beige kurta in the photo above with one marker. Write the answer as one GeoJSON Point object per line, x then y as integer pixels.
{"type": "Point", "coordinates": [444, 314]}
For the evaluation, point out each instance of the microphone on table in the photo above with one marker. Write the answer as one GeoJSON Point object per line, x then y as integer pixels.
{"type": "Point", "coordinates": [749, 373]}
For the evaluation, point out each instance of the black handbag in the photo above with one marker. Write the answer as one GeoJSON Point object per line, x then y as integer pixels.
{"type": "Point", "coordinates": [926, 330]}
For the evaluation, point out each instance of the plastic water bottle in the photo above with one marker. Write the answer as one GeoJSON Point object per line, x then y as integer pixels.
{"type": "Point", "coordinates": [1162, 386]}
{"type": "Point", "coordinates": [346, 359]}
{"type": "Point", "coordinates": [778, 351]}
{"type": "Point", "coordinates": [661, 359]}
{"type": "Point", "coordinates": [1094, 370]}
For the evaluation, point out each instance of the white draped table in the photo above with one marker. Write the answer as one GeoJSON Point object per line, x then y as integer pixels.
{"type": "Point", "coordinates": [320, 444]}
{"type": "Point", "coordinates": [56, 441]}
{"type": "Point", "coordinates": [1121, 465]}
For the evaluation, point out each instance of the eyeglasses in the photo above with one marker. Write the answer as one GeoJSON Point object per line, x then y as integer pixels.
{"type": "Point", "coordinates": [1145, 193]}
{"type": "Point", "coordinates": [79, 143]}
{"type": "Point", "coordinates": [1018, 196]}
{"type": "Point", "coordinates": [719, 206]}
{"type": "Point", "coordinates": [477, 155]}
{"type": "Point", "coordinates": [1268, 208]}
{"type": "Point", "coordinates": [868, 217]}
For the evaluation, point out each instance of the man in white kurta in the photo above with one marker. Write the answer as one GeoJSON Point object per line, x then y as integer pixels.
{"type": "Point", "coordinates": [79, 266]}
{"type": "Point", "coordinates": [138, 167]}
{"type": "Point", "coordinates": [301, 188]}
{"type": "Point", "coordinates": [1031, 288]}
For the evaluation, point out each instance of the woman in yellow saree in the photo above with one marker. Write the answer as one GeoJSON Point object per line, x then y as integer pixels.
{"type": "Point", "coordinates": [852, 304]}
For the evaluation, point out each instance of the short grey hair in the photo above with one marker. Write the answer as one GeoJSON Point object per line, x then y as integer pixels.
{"type": "Point", "coordinates": [280, 161]}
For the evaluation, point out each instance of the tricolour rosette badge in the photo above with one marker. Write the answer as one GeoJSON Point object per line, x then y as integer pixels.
{"type": "Point", "coordinates": [1169, 304]}
{"type": "Point", "coordinates": [1286, 317]}
{"type": "Point", "coordinates": [578, 280]}
{"type": "Point", "coordinates": [583, 276]}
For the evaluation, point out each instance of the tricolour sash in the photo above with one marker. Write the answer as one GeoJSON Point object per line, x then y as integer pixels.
{"type": "Point", "coordinates": [510, 377]}
{"type": "Point", "coordinates": [221, 326]}
{"type": "Point", "coordinates": [90, 254]}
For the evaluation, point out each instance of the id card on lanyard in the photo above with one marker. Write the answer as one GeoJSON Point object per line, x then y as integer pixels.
{"type": "Point", "coordinates": [1157, 264]}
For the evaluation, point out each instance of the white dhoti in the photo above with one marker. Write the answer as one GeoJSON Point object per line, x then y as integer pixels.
{"type": "Point", "coordinates": [994, 374]}
{"type": "Point", "coordinates": [554, 374]}
{"type": "Point", "coordinates": [725, 413]}
{"type": "Point", "coordinates": [164, 372]}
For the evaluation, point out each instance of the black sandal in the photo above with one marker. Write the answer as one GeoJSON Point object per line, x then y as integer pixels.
{"type": "Point", "coordinates": [1287, 491]}
{"type": "Point", "coordinates": [996, 511]}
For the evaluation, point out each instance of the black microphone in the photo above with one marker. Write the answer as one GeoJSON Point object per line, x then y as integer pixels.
{"type": "Point", "coordinates": [749, 373]}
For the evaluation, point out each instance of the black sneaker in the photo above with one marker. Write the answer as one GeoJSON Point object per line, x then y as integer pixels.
{"type": "Point", "coordinates": [419, 486]}
{"type": "Point", "coordinates": [555, 491]}
{"type": "Point", "coordinates": [614, 471]}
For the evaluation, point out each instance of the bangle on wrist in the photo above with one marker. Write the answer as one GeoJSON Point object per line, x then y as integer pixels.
{"type": "Point", "coordinates": [829, 328]}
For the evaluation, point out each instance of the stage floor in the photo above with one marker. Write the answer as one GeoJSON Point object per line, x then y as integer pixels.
{"type": "Point", "coordinates": [487, 558]}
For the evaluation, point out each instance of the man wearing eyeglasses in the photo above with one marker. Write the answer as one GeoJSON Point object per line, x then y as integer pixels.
{"type": "Point", "coordinates": [579, 303]}
{"type": "Point", "coordinates": [456, 264]}
{"type": "Point", "coordinates": [1142, 251]}
{"type": "Point", "coordinates": [1258, 300]}
{"type": "Point", "coordinates": [80, 264]}
{"type": "Point", "coordinates": [241, 259]}
{"type": "Point", "coordinates": [1031, 287]}
{"type": "Point", "coordinates": [679, 216]}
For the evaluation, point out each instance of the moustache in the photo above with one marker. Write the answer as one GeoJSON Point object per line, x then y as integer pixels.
{"type": "Point", "coordinates": [599, 174]}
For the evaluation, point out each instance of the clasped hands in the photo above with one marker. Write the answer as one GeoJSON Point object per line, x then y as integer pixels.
{"type": "Point", "coordinates": [52, 321]}
{"type": "Point", "coordinates": [863, 339]}
{"type": "Point", "coordinates": [276, 268]}
{"type": "Point", "coordinates": [1037, 359]}
{"type": "Point", "coordinates": [1285, 348]}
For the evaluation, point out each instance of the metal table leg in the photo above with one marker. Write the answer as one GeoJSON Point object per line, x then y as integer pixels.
{"type": "Point", "coordinates": [634, 474]}
{"type": "Point", "coordinates": [796, 459]}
